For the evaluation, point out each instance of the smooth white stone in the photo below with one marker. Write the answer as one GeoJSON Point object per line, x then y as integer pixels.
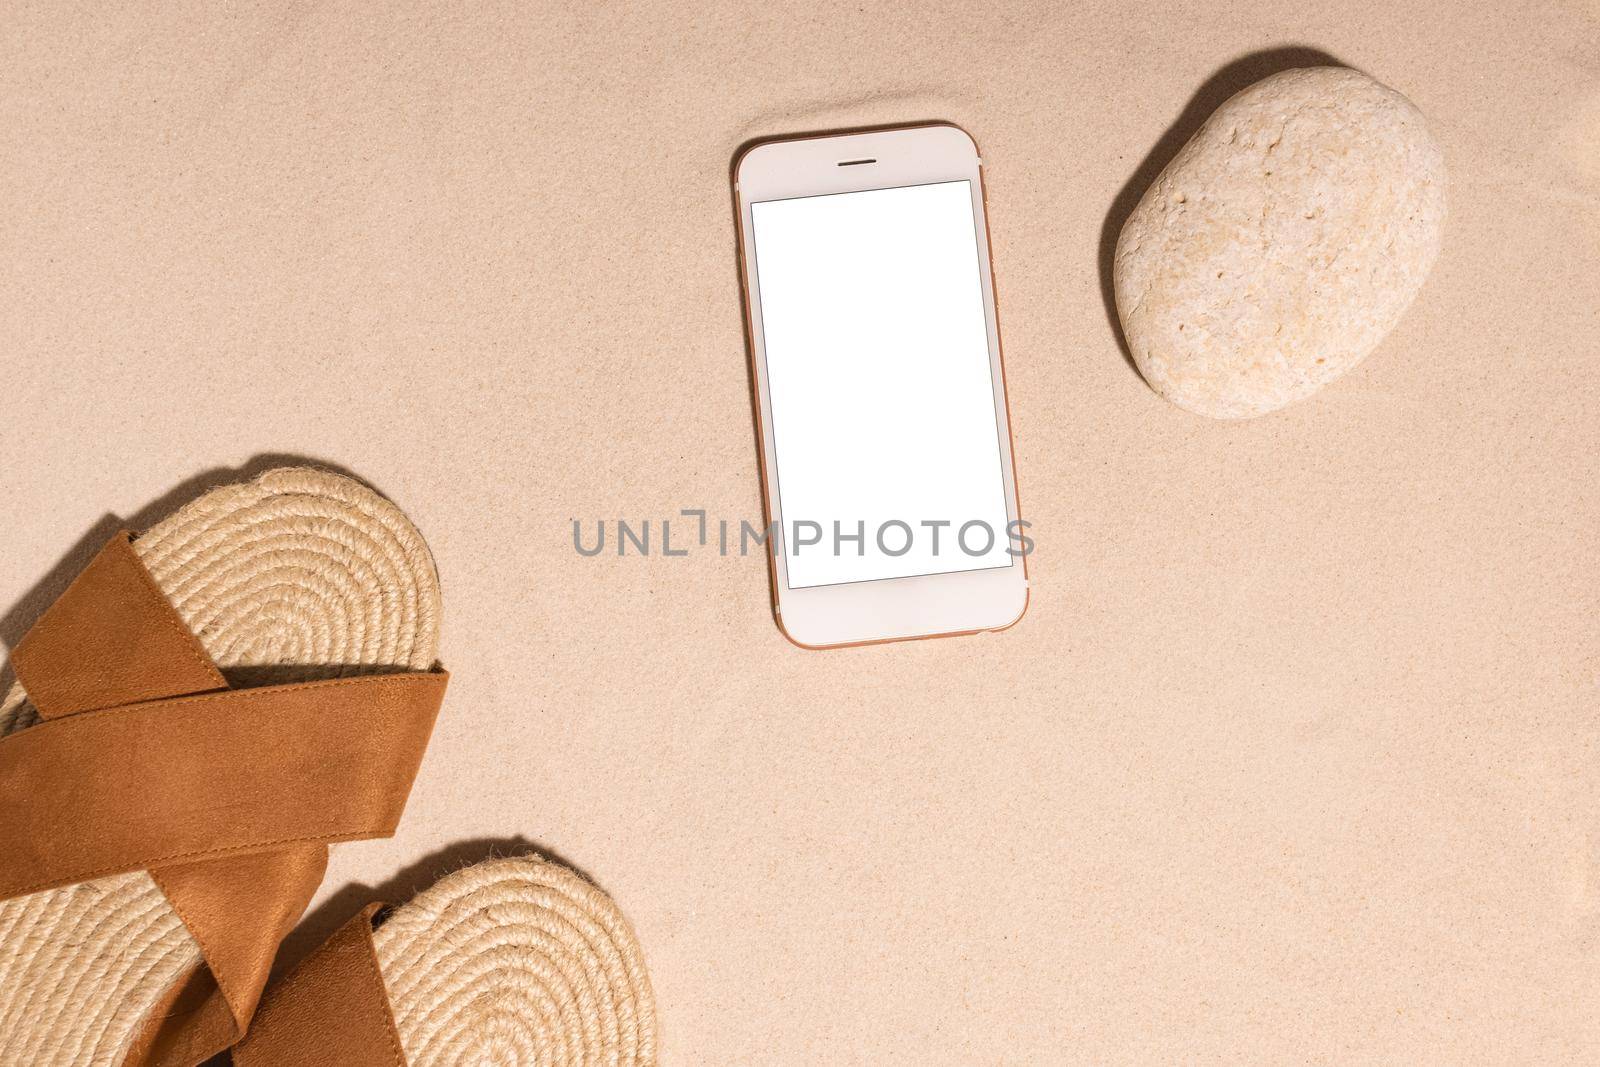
{"type": "Point", "coordinates": [1282, 243]}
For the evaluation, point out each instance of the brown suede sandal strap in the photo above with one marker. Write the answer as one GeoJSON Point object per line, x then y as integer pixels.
{"type": "Point", "coordinates": [145, 760]}
{"type": "Point", "coordinates": [112, 638]}
{"type": "Point", "coordinates": [173, 781]}
{"type": "Point", "coordinates": [332, 1008]}
{"type": "Point", "coordinates": [239, 910]}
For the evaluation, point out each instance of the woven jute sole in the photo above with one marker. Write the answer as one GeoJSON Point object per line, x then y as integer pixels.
{"type": "Point", "coordinates": [299, 574]}
{"type": "Point", "coordinates": [515, 962]}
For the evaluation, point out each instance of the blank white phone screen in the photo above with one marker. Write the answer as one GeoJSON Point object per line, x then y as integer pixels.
{"type": "Point", "coordinates": [886, 440]}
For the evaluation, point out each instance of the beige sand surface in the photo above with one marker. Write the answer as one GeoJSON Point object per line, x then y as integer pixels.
{"type": "Point", "coordinates": [1294, 758]}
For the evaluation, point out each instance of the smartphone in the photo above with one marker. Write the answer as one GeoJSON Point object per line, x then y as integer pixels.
{"type": "Point", "coordinates": [884, 442]}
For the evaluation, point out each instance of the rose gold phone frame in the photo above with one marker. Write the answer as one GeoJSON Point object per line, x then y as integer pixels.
{"type": "Point", "coordinates": [876, 143]}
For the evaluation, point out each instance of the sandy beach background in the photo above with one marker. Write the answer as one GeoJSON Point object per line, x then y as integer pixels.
{"type": "Point", "coordinates": [1294, 758]}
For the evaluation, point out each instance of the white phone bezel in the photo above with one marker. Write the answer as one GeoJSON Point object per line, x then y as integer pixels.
{"type": "Point", "coordinates": [889, 609]}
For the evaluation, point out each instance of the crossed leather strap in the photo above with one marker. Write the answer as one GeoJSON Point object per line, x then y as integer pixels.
{"type": "Point", "coordinates": [146, 760]}
{"type": "Point", "coordinates": [333, 1008]}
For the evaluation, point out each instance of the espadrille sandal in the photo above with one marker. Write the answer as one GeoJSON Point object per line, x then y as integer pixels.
{"type": "Point", "coordinates": [510, 962]}
{"type": "Point", "coordinates": [201, 712]}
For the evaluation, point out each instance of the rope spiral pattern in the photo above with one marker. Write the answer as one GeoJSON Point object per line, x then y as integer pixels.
{"type": "Point", "coordinates": [299, 574]}
{"type": "Point", "coordinates": [515, 962]}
